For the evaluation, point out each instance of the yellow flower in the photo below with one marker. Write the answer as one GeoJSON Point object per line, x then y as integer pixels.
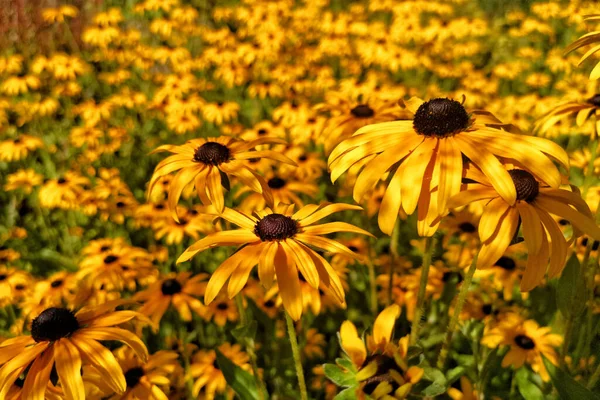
{"type": "Point", "coordinates": [179, 290]}
{"type": "Point", "coordinates": [527, 341]}
{"type": "Point", "coordinates": [67, 340]}
{"type": "Point", "coordinates": [533, 207]}
{"type": "Point", "coordinates": [18, 148]}
{"type": "Point", "coordinates": [24, 179]}
{"type": "Point", "coordinates": [424, 159]}
{"type": "Point", "coordinates": [385, 362]}
{"type": "Point", "coordinates": [58, 14]}
{"type": "Point", "coordinates": [587, 39]}
{"type": "Point", "coordinates": [206, 162]}
{"type": "Point", "coordinates": [466, 393]}
{"type": "Point", "coordinates": [583, 110]}
{"type": "Point", "coordinates": [278, 241]}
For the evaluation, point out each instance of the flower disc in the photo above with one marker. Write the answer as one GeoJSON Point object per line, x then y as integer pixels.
{"type": "Point", "coordinates": [440, 118]}
{"type": "Point", "coordinates": [525, 184]}
{"type": "Point", "coordinates": [170, 287]}
{"type": "Point", "coordinates": [52, 324]}
{"type": "Point", "coordinates": [212, 153]}
{"type": "Point", "coordinates": [275, 227]}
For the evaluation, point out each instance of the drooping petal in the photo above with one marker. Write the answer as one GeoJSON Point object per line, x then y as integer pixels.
{"type": "Point", "coordinates": [474, 193]}
{"type": "Point", "coordinates": [68, 367]}
{"type": "Point", "coordinates": [266, 264]}
{"type": "Point", "coordinates": [390, 205]}
{"type": "Point", "coordinates": [103, 361]}
{"type": "Point", "coordinates": [494, 247]}
{"type": "Point", "coordinates": [559, 248]}
{"type": "Point", "coordinates": [580, 221]}
{"type": "Point", "coordinates": [35, 384]}
{"type": "Point", "coordinates": [289, 287]}
{"type": "Point", "coordinates": [7, 377]}
{"type": "Point", "coordinates": [331, 227]}
{"type": "Point", "coordinates": [532, 227]}
{"type": "Point", "coordinates": [215, 190]}
{"type": "Point", "coordinates": [181, 180]}
{"type": "Point", "coordinates": [536, 266]}
{"type": "Point", "coordinates": [491, 167]}
{"type": "Point", "coordinates": [413, 171]}
{"type": "Point", "coordinates": [115, 334]}
{"type": "Point", "coordinates": [492, 214]}
{"type": "Point", "coordinates": [326, 211]}
{"type": "Point", "coordinates": [304, 263]}
{"type": "Point", "coordinates": [240, 275]}
{"type": "Point", "coordinates": [451, 168]}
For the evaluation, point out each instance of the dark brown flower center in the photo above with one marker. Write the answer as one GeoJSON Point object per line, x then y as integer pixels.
{"type": "Point", "coordinates": [467, 227]}
{"type": "Point", "coordinates": [3, 277]}
{"type": "Point", "coordinates": [170, 287]}
{"type": "Point", "coordinates": [506, 263]}
{"type": "Point", "coordinates": [110, 259]}
{"type": "Point", "coordinates": [594, 100]}
{"type": "Point", "coordinates": [441, 118]}
{"type": "Point", "coordinates": [487, 309]}
{"type": "Point", "coordinates": [61, 181]}
{"type": "Point", "coordinates": [212, 153]}
{"type": "Point", "coordinates": [275, 227]}
{"type": "Point", "coordinates": [222, 306]}
{"type": "Point", "coordinates": [53, 324]}
{"type": "Point", "coordinates": [276, 183]}
{"type": "Point", "coordinates": [524, 342]}
{"type": "Point", "coordinates": [133, 376]}
{"type": "Point", "coordinates": [362, 111]}
{"type": "Point", "coordinates": [525, 184]}
{"type": "Point", "coordinates": [385, 364]}
{"type": "Point", "coordinates": [56, 283]}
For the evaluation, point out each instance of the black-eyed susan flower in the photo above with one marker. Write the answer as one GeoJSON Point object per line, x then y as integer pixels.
{"type": "Point", "coordinates": [19, 147]}
{"type": "Point", "coordinates": [582, 110]}
{"type": "Point", "coordinates": [67, 340]}
{"type": "Point", "coordinates": [65, 193]}
{"type": "Point", "coordinates": [177, 290]}
{"type": "Point", "coordinates": [206, 162]}
{"type": "Point", "coordinates": [383, 370]}
{"type": "Point", "coordinates": [424, 159]}
{"type": "Point", "coordinates": [466, 392]}
{"type": "Point", "coordinates": [145, 379]}
{"type": "Point", "coordinates": [24, 179]}
{"type": "Point", "coordinates": [592, 38]}
{"type": "Point", "coordinates": [278, 241]}
{"type": "Point", "coordinates": [546, 246]}
{"type": "Point", "coordinates": [528, 342]}
{"type": "Point", "coordinates": [207, 374]}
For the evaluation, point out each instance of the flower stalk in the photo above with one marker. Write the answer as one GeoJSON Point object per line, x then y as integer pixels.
{"type": "Point", "coordinates": [430, 244]}
{"type": "Point", "coordinates": [296, 353]}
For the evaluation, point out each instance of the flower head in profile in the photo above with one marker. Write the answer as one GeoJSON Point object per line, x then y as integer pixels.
{"type": "Point", "coordinates": [67, 340]}
{"type": "Point", "coordinates": [382, 365]}
{"type": "Point", "coordinates": [592, 38]}
{"type": "Point", "coordinates": [422, 159]}
{"type": "Point", "coordinates": [582, 110]}
{"type": "Point", "coordinates": [535, 204]}
{"type": "Point", "coordinates": [528, 342]}
{"type": "Point", "coordinates": [207, 164]}
{"type": "Point", "coordinates": [280, 242]}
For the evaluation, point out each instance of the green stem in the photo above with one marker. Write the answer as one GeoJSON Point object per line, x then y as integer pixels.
{"type": "Point", "coordinates": [394, 259]}
{"type": "Point", "coordinates": [568, 334]}
{"type": "Point", "coordinates": [373, 286]}
{"type": "Point", "coordinates": [249, 345]}
{"type": "Point", "coordinates": [462, 296]}
{"type": "Point", "coordinates": [430, 245]}
{"type": "Point", "coordinates": [239, 302]}
{"type": "Point", "coordinates": [296, 353]}
{"type": "Point", "coordinates": [594, 378]}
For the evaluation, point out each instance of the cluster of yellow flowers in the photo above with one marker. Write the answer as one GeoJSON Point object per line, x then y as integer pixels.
{"type": "Point", "coordinates": [318, 153]}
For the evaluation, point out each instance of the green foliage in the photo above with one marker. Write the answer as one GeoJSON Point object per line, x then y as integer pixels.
{"type": "Point", "coordinates": [240, 381]}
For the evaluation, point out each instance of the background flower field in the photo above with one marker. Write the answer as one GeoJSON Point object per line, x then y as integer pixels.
{"type": "Point", "coordinates": [111, 111]}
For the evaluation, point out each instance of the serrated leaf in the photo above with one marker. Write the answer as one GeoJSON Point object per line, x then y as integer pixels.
{"type": "Point", "coordinates": [567, 387]}
{"type": "Point", "coordinates": [339, 376]}
{"type": "Point", "coordinates": [571, 291]}
{"type": "Point", "coordinates": [528, 389]}
{"type": "Point", "coordinates": [240, 381]}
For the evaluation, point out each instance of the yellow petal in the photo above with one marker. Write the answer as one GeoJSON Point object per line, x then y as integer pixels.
{"type": "Point", "coordinates": [492, 215]}
{"type": "Point", "coordinates": [326, 211]}
{"type": "Point", "coordinates": [181, 179]}
{"type": "Point", "coordinates": [451, 166]}
{"type": "Point", "coordinates": [224, 271]}
{"type": "Point", "coordinates": [390, 205]}
{"type": "Point", "coordinates": [491, 167]}
{"type": "Point", "coordinates": [37, 379]}
{"type": "Point", "coordinates": [532, 227]}
{"type": "Point", "coordinates": [289, 288]}
{"type": "Point", "coordinates": [115, 334]}
{"type": "Point", "coordinates": [302, 261]}
{"type": "Point", "coordinates": [68, 367]}
{"type": "Point", "coordinates": [103, 361]}
{"type": "Point", "coordinates": [559, 248]}
{"type": "Point", "coordinates": [384, 325]}
{"type": "Point", "coordinates": [215, 190]}
{"type": "Point", "coordinates": [352, 343]}
{"type": "Point", "coordinates": [494, 247]}
{"type": "Point", "coordinates": [224, 238]}
{"type": "Point", "coordinates": [240, 275]}
{"type": "Point", "coordinates": [580, 221]}
{"type": "Point", "coordinates": [412, 170]}
{"type": "Point", "coordinates": [536, 266]}
{"type": "Point", "coordinates": [473, 193]}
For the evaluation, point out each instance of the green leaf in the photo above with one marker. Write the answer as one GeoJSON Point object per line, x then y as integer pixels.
{"type": "Point", "coordinates": [413, 351]}
{"type": "Point", "coordinates": [567, 387]}
{"type": "Point", "coordinates": [454, 374]}
{"type": "Point", "coordinates": [571, 293]}
{"type": "Point", "coordinates": [347, 394]}
{"type": "Point", "coordinates": [240, 381]}
{"type": "Point", "coordinates": [438, 380]}
{"type": "Point", "coordinates": [346, 363]}
{"type": "Point", "coordinates": [246, 331]}
{"type": "Point", "coordinates": [339, 376]}
{"type": "Point", "coordinates": [528, 389]}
